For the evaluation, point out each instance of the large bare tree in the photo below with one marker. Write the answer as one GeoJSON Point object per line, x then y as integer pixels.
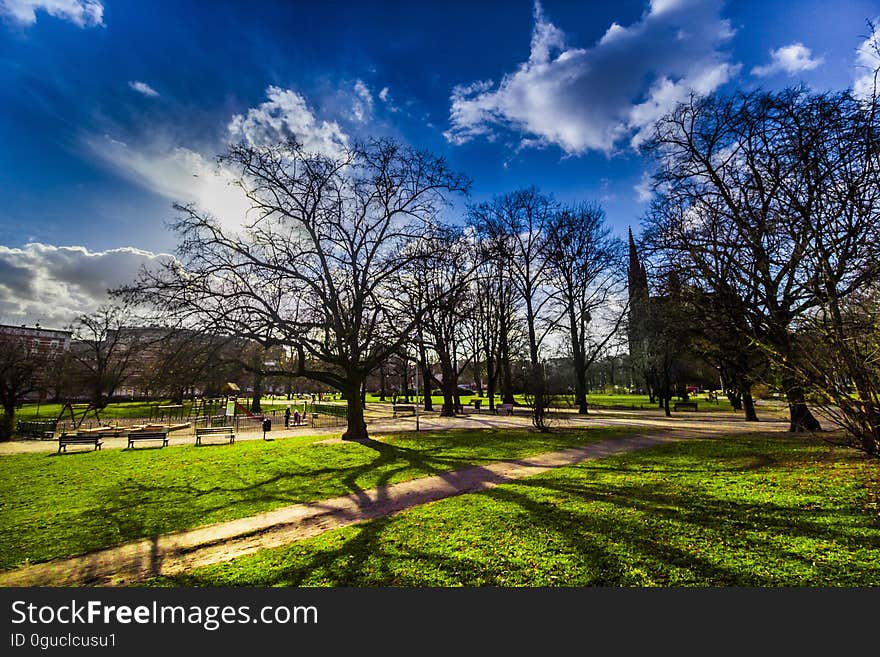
{"type": "Point", "coordinates": [586, 273]}
{"type": "Point", "coordinates": [771, 200]}
{"type": "Point", "coordinates": [514, 228]}
{"type": "Point", "coordinates": [318, 266]}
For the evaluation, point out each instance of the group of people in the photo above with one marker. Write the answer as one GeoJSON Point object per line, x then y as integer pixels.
{"type": "Point", "coordinates": [297, 419]}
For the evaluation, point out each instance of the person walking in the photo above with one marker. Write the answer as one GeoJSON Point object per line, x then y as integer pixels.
{"type": "Point", "coordinates": [287, 417]}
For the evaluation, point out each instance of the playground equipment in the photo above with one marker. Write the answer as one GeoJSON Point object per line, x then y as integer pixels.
{"type": "Point", "coordinates": [71, 408]}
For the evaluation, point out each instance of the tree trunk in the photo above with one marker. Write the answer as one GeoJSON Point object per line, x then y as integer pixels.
{"type": "Point", "coordinates": [748, 402]}
{"type": "Point", "coordinates": [667, 393]}
{"type": "Point", "coordinates": [357, 427]}
{"type": "Point", "coordinates": [580, 388]}
{"type": "Point", "coordinates": [7, 422]}
{"type": "Point", "coordinates": [506, 381]}
{"type": "Point", "coordinates": [580, 368]}
{"type": "Point", "coordinates": [256, 406]}
{"type": "Point", "coordinates": [426, 386]}
{"type": "Point", "coordinates": [450, 384]}
{"type": "Point", "coordinates": [491, 375]}
{"type": "Point", "coordinates": [800, 417]}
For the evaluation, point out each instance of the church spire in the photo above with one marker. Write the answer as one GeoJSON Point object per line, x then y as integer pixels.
{"type": "Point", "coordinates": [636, 274]}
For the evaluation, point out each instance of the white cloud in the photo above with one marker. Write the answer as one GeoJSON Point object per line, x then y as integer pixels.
{"type": "Point", "coordinates": [179, 174]}
{"type": "Point", "coordinates": [83, 13]}
{"type": "Point", "coordinates": [791, 59]}
{"type": "Point", "coordinates": [390, 105]}
{"type": "Point", "coordinates": [666, 94]}
{"type": "Point", "coordinates": [283, 116]}
{"type": "Point", "coordinates": [590, 98]}
{"type": "Point", "coordinates": [644, 189]}
{"type": "Point", "coordinates": [362, 105]}
{"type": "Point", "coordinates": [52, 285]}
{"type": "Point", "coordinates": [184, 175]}
{"type": "Point", "coordinates": [867, 62]}
{"type": "Point", "coordinates": [143, 88]}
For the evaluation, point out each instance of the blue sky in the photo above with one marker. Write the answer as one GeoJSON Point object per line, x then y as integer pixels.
{"type": "Point", "coordinates": [111, 110]}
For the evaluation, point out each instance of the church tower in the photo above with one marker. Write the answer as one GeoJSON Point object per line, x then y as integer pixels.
{"type": "Point", "coordinates": [637, 289]}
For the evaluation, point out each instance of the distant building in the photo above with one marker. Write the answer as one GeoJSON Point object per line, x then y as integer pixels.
{"type": "Point", "coordinates": [53, 342]}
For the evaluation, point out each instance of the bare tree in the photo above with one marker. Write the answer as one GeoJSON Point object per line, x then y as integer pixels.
{"type": "Point", "coordinates": [318, 266]}
{"type": "Point", "coordinates": [495, 315]}
{"type": "Point", "coordinates": [103, 351]}
{"type": "Point", "coordinates": [24, 369]}
{"type": "Point", "coordinates": [843, 371]}
{"type": "Point", "coordinates": [445, 274]}
{"type": "Point", "coordinates": [771, 200]}
{"type": "Point", "coordinates": [515, 226]}
{"type": "Point", "coordinates": [584, 265]}
{"type": "Point", "coordinates": [184, 361]}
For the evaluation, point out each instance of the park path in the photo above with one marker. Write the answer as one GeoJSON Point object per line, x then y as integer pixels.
{"type": "Point", "coordinates": [176, 552]}
{"type": "Point", "coordinates": [433, 422]}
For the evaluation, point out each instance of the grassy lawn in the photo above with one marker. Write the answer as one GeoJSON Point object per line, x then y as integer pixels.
{"type": "Point", "coordinates": [137, 409]}
{"type": "Point", "coordinates": [750, 511]}
{"type": "Point", "coordinates": [58, 505]}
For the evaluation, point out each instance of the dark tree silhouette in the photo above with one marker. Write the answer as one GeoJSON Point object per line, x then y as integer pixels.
{"type": "Point", "coordinates": [770, 200]}
{"type": "Point", "coordinates": [317, 267]}
{"type": "Point", "coordinates": [585, 271]}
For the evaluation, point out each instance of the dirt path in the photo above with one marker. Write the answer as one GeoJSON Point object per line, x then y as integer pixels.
{"type": "Point", "coordinates": [176, 552]}
{"type": "Point", "coordinates": [433, 422]}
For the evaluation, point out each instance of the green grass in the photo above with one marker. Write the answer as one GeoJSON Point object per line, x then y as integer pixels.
{"type": "Point", "coordinates": [750, 511]}
{"type": "Point", "coordinates": [135, 409]}
{"type": "Point", "coordinates": [57, 505]}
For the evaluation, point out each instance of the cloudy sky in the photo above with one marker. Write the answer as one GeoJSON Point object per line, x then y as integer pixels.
{"type": "Point", "coordinates": [112, 110]}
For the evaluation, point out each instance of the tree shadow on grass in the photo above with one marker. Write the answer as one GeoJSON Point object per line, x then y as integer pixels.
{"type": "Point", "coordinates": [603, 534]}
{"type": "Point", "coordinates": [139, 508]}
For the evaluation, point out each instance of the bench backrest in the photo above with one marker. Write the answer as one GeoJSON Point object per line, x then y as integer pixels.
{"type": "Point", "coordinates": [147, 434]}
{"type": "Point", "coordinates": [204, 430]}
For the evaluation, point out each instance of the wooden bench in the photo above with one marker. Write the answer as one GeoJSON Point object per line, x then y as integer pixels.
{"type": "Point", "coordinates": [66, 439]}
{"type": "Point", "coordinates": [504, 409]}
{"type": "Point", "coordinates": [222, 432]}
{"type": "Point", "coordinates": [404, 408]}
{"type": "Point", "coordinates": [692, 406]}
{"type": "Point", "coordinates": [147, 435]}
